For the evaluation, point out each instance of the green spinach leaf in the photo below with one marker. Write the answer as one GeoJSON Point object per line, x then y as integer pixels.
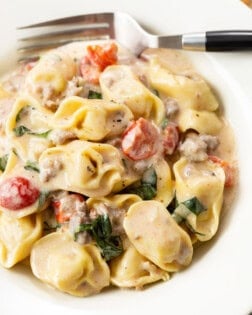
{"type": "Point", "coordinates": [194, 205]}
{"type": "Point", "coordinates": [94, 95]}
{"type": "Point", "coordinates": [101, 231]}
{"type": "Point", "coordinates": [145, 191]}
{"type": "Point", "coordinates": [3, 162]}
{"type": "Point", "coordinates": [31, 166]}
{"type": "Point", "coordinates": [21, 130]}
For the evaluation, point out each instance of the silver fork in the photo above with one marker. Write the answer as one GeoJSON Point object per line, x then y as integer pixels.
{"type": "Point", "coordinates": [124, 29]}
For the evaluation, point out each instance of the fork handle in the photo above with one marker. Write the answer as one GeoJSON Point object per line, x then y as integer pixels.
{"type": "Point", "coordinates": [218, 40]}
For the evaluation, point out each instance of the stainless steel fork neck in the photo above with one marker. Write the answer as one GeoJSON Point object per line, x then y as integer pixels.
{"type": "Point", "coordinates": [194, 41]}
{"type": "Point", "coordinates": [190, 41]}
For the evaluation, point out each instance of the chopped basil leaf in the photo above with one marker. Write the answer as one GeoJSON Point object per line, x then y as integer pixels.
{"type": "Point", "coordinates": [111, 247]}
{"type": "Point", "coordinates": [94, 95]}
{"type": "Point", "coordinates": [3, 162]}
{"type": "Point", "coordinates": [41, 135]}
{"type": "Point", "coordinates": [185, 210]}
{"type": "Point", "coordinates": [194, 205]}
{"type": "Point", "coordinates": [164, 123]}
{"type": "Point", "coordinates": [145, 191]}
{"type": "Point", "coordinates": [14, 151]}
{"type": "Point", "coordinates": [31, 166]}
{"type": "Point", "coordinates": [156, 92]}
{"type": "Point", "coordinates": [103, 228]}
{"type": "Point", "coordinates": [21, 112]}
{"type": "Point", "coordinates": [187, 207]}
{"type": "Point", "coordinates": [21, 130]}
{"type": "Point", "coordinates": [43, 196]}
{"type": "Point", "coordinates": [150, 177]}
{"type": "Point", "coordinates": [101, 231]}
{"type": "Point", "coordinates": [173, 204]}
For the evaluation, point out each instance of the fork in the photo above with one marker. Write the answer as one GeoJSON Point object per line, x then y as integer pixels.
{"type": "Point", "coordinates": [124, 29]}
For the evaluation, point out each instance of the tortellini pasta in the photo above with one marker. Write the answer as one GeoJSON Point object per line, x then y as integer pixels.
{"type": "Point", "coordinates": [204, 122]}
{"type": "Point", "coordinates": [92, 119]}
{"type": "Point", "coordinates": [93, 169]}
{"type": "Point", "coordinates": [118, 201]}
{"type": "Point", "coordinates": [27, 127]}
{"type": "Point", "coordinates": [119, 84]}
{"type": "Point", "coordinates": [78, 270]}
{"type": "Point", "coordinates": [191, 91]}
{"type": "Point", "coordinates": [17, 237]}
{"type": "Point", "coordinates": [131, 269]}
{"type": "Point", "coordinates": [165, 185]}
{"type": "Point", "coordinates": [157, 236]}
{"type": "Point", "coordinates": [50, 76]}
{"type": "Point", "coordinates": [204, 180]}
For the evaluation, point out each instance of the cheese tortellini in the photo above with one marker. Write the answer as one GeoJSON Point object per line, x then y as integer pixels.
{"type": "Point", "coordinates": [119, 84]}
{"type": "Point", "coordinates": [191, 91]}
{"type": "Point", "coordinates": [165, 186]}
{"type": "Point", "coordinates": [157, 236]}
{"type": "Point", "coordinates": [92, 119]}
{"type": "Point", "coordinates": [196, 101]}
{"type": "Point", "coordinates": [204, 122]}
{"type": "Point", "coordinates": [27, 127]}
{"type": "Point", "coordinates": [17, 237]}
{"type": "Point", "coordinates": [59, 261]}
{"type": "Point", "coordinates": [92, 169]}
{"type": "Point", "coordinates": [49, 78]}
{"type": "Point", "coordinates": [204, 180]}
{"type": "Point", "coordinates": [132, 269]}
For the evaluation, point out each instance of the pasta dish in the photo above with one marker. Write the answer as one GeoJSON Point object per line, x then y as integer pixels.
{"type": "Point", "coordinates": [112, 167]}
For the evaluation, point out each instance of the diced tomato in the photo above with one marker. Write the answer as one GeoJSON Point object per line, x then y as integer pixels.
{"type": "Point", "coordinates": [60, 215]}
{"type": "Point", "coordinates": [66, 207]}
{"type": "Point", "coordinates": [228, 170]}
{"type": "Point", "coordinates": [139, 140]}
{"type": "Point", "coordinates": [102, 56]}
{"type": "Point", "coordinates": [17, 193]}
{"type": "Point", "coordinates": [170, 138]}
{"type": "Point", "coordinates": [89, 72]}
{"type": "Point", "coordinates": [97, 59]}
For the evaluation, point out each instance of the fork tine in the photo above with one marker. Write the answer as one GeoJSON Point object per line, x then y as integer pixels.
{"type": "Point", "coordinates": [98, 26]}
{"type": "Point", "coordinates": [86, 32]}
{"type": "Point", "coordinates": [53, 44]}
{"type": "Point", "coordinates": [84, 19]}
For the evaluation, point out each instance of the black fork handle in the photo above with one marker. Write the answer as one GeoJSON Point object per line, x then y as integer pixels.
{"type": "Point", "coordinates": [218, 40]}
{"type": "Point", "coordinates": [229, 40]}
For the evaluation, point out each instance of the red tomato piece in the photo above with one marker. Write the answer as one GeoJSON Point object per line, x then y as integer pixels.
{"type": "Point", "coordinates": [66, 207]}
{"type": "Point", "coordinates": [89, 72]}
{"type": "Point", "coordinates": [97, 59]}
{"type": "Point", "coordinates": [139, 140]}
{"type": "Point", "coordinates": [170, 138]}
{"type": "Point", "coordinates": [17, 193]}
{"type": "Point", "coordinates": [228, 170]}
{"type": "Point", "coordinates": [102, 56]}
